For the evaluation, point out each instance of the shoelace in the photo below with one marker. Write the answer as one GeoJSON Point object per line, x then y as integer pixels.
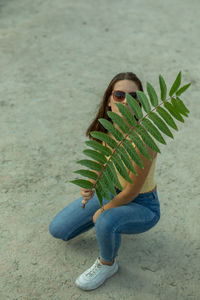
{"type": "Point", "coordinates": [97, 266]}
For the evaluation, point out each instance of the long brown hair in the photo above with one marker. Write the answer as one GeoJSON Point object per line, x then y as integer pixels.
{"type": "Point", "coordinates": [103, 107]}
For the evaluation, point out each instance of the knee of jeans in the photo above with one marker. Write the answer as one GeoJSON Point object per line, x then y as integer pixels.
{"type": "Point", "coordinates": [55, 231]}
{"type": "Point", "coordinates": [158, 217]}
{"type": "Point", "coordinates": [103, 224]}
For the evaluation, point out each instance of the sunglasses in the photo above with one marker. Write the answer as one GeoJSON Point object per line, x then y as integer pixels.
{"type": "Point", "coordinates": [120, 95]}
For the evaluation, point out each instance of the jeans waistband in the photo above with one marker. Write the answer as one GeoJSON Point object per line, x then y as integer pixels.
{"type": "Point", "coordinates": [154, 189]}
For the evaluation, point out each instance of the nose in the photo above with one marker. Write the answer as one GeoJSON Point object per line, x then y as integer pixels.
{"type": "Point", "coordinates": [125, 102]}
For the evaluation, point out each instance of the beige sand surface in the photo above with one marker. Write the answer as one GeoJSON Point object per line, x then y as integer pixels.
{"type": "Point", "coordinates": [56, 59]}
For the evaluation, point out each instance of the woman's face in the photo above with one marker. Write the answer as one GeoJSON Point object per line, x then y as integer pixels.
{"type": "Point", "coordinates": [126, 86]}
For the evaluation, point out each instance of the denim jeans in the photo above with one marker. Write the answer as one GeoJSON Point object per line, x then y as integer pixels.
{"type": "Point", "coordinates": [138, 216]}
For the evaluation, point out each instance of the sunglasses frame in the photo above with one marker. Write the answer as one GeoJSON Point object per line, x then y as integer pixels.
{"type": "Point", "coordinates": [124, 94]}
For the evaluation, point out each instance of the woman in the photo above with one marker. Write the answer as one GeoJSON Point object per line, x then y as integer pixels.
{"type": "Point", "coordinates": [134, 210]}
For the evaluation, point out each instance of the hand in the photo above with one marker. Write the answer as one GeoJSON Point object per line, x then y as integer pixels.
{"type": "Point", "coordinates": [95, 216]}
{"type": "Point", "coordinates": [87, 194]}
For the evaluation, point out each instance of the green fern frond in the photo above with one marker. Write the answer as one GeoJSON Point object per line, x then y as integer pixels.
{"type": "Point", "coordinates": [153, 130]}
{"type": "Point", "coordinates": [104, 186]}
{"type": "Point", "coordinates": [104, 137]}
{"type": "Point", "coordinates": [109, 126]}
{"type": "Point", "coordinates": [133, 153]}
{"type": "Point", "coordinates": [118, 120]}
{"type": "Point", "coordinates": [95, 155]}
{"type": "Point", "coordinates": [95, 145]}
{"type": "Point", "coordinates": [115, 158]}
{"type": "Point", "coordinates": [82, 183]}
{"type": "Point", "coordinates": [175, 85]}
{"type": "Point", "coordinates": [134, 106]}
{"type": "Point", "coordinates": [87, 173]}
{"type": "Point", "coordinates": [126, 114]}
{"type": "Point", "coordinates": [125, 158]}
{"type": "Point", "coordinates": [90, 164]}
{"type": "Point", "coordinates": [182, 89]}
{"type": "Point", "coordinates": [99, 192]}
{"type": "Point", "coordinates": [139, 144]}
{"type": "Point", "coordinates": [173, 111]}
{"type": "Point", "coordinates": [179, 106]}
{"type": "Point", "coordinates": [160, 124]}
{"type": "Point", "coordinates": [144, 100]}
{"type": "Point", "coordinates": [147, 139]}
{"type": "Point", "coordinates": [163, 88]}
{"type": "Point", "coordinates": [112, 174]}
{"type": "Point", "coordinates": [108, 181]}
{"type": "Point", "coordinates": [152, 94]}
{"type": "Point", "coordinates": [120, 153]}
{"type": "Point", "coordinates": [167, 118]}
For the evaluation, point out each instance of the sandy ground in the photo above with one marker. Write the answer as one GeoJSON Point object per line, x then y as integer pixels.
{"type": "Point", "coordinates": [56, 59]}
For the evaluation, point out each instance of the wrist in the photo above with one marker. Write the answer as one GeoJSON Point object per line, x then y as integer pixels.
{"type": "Point", "coordinates": [102, 209]}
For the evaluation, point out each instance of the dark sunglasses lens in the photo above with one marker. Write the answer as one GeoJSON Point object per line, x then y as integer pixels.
{"type": "Point", "coordinates": [134, 95]}
{"type": "Point", "coordinates": [119, 95]}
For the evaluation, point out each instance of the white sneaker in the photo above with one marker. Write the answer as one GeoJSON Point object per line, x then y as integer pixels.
{"type": "Point", "coordinates": [96, 275]}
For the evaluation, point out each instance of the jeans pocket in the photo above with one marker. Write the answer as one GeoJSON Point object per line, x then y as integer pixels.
{"type": "Point", "coordinates": [155, 195]}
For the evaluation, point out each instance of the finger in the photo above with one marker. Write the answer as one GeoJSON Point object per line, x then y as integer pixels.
{"type": "Point", "coordinates": [85, 190]}
{"type": "Point", "coordinates": [84, 202]}
{"type": "Point", "coordinates": [86, 198]}
{"type": "Point", "coordinates": [88, 194]}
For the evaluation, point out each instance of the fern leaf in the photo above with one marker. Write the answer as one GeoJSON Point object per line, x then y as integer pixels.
{"type": "Point", "coordinates": [87, 173]}
{"type": "Point", "coordinates": [104, 137]}
{"type": "Point", "coordinates": [90, 164]}
{"type": "Point", "coordinates": [104, 187]}
{"type": "Point", "coordinates": [120, 167]}
{"type": "Point", "coordinates": [153, 130]}
{"type": "Point", "coordinates": [95, 145]}
{"type": "Point", "coordinates": [179, 105]}
{"type": "Point", "coordinates": [182, 104]}
{"type": "Point", "coordinates": [160, 124]}
{"type": "Point", "coordinates": [109, 182]}
{"type": "Point", "coordinates": [127, 114]}
{"type": "Point", "coordinates": [125, 158]}
{"type": "Point", "coordinates": [133, 153]}
{"type": "Point", "coordinates": [109, 126]}
{"type": "Point", "coordinates": [147, 139]}
{"type": "Point", "coordinates": [173, 112]}
{"type": "Point", "coordinates": [82, 183]}
{"type": "Point", "coordinates": [144, 100]}
{"type": "Point", "coordinates": [118, 120]}
{"type": "Point", "coordinates": [139, 144]}
{"type": "Point", "coordinates": [99, 192]}
{"type": "Point", "coordinates": [152, 94]}
{"type": "Point", "coordinates": [167, 117]}
{"type": "Point", "coordinates": [182, 89]}
{"type": "Point", "coordinates": [134, 106]}
{"type": "Point", "coordinates": [175, 85]}
{"type": "Point", "coordinates": [163, 88]}
{"type": "Point", "coordinates": [95, 155]}
{"type": "Point", "coordinates": [111, 170]}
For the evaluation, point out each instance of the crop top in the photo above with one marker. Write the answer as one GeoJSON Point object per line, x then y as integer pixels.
{"type": "Point", "coordinates": [149, 183]}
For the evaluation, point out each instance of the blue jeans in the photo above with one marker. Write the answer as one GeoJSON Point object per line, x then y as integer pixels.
{"type": "Point", "coordinates": [138, 216]}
